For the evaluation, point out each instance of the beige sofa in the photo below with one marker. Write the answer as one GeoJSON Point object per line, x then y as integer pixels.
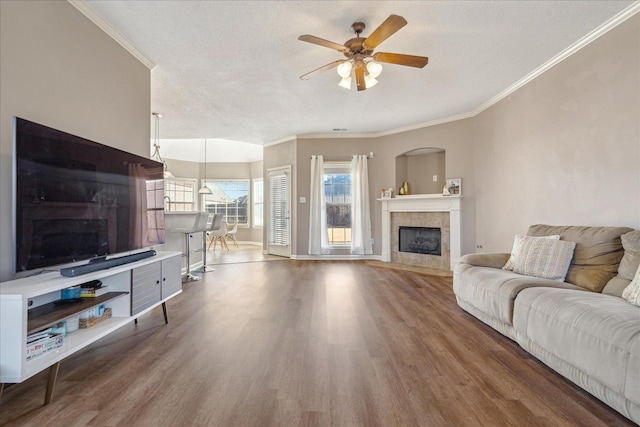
{"type": "Point", "coordinates": [581, 327]}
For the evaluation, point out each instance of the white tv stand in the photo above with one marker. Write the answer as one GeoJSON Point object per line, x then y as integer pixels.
{"type": "Point", "coordinates": [26, 306]}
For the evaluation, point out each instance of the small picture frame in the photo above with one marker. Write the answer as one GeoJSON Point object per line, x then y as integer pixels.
{"type": "Point", "coordinates": [453, 187]}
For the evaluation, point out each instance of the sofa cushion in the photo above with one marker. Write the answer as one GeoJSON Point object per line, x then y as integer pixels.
{"type": "Point", "coordinates": [616, 286]}
{"type": "Point", "coordinates": [495, 260]}
{"type": "Point", "coordinates": [597, 254]}
{"type": "Point", "coordinates": [631, 259]}
{"type": "Point", "coordinates": [493, 290]}
{"type": "Point", "coordinates": [518, 242]}
{"type": "Point", "coordinates": [544, 258]}
{"type": "Point", "coordinates": [595, 333]}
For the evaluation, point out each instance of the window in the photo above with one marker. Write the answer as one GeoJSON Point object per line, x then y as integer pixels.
{"type": "Point", "coordinates": [258, 202]}
{"type": "Point", "coordinates": [337, 193]}
{"type": "Point", "coordinates": [180, 194]}
{"type": "Point", "coordinates": [230, 198]}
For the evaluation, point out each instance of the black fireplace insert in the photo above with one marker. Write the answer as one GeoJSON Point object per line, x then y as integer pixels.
{"type": "Point", "coordinates": [420, 240]}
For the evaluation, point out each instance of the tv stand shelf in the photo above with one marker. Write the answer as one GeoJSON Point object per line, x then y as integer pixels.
{"type": "Point", "coordinates": [27, 306]}
{"type": "Point", "coordinates": [50, 314]}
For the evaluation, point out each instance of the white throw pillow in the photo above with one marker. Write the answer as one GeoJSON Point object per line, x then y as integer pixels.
{"type": "Point", "coordinates": [632, 292]}
{"type": "Point", "coordinates": [546, 258]}
{"type": "Point", "coordinates": [517, 246]}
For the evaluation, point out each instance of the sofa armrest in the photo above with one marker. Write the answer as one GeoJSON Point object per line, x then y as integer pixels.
{"type": "Point", "coordinates": [494, 260]}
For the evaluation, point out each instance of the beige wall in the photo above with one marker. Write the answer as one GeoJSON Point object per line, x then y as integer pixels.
{"type": "Point", "coordinates": [453, 137]}
{"type": "Point", "coordinates": [456, 138]}
{"type": "Point", "coordinates": [332, 149]}
{"type": "Point", "coordinates": [61, 70]}
{"type": "Point", "coordinates": [420, 172]}
{"type": "Point", "coordinates": [565, 148]}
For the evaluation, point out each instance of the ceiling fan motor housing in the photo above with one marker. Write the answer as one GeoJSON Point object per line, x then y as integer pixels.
{"type": "Point", "coordinates": [356, 45]}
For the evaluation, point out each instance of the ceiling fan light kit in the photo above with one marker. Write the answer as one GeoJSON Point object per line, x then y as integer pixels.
{"type": "Point", "coordinates": [361, 63]}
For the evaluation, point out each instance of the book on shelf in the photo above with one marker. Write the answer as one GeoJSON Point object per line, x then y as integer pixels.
{"type": "Point", "coordinates": [93, 292]}
{"type": "Point", "coordinates": [39, 335]}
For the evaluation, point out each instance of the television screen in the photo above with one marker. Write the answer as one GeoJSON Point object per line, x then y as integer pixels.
{"type": "Point", "coordinates": [76, 199]}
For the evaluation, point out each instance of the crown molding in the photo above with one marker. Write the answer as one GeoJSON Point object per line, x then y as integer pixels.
{"type": "Point", "coordinates": [280, 141]}
{"type": "Point", "coordinates": [86, 10]}
{"type": "Point", "coordinates": [584, 41]}
{"type": "Point", "coordinates": [386, 133]}
{"type": "Point", "coordinates": [616, 20]}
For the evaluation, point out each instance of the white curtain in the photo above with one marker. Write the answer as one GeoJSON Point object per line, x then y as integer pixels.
{"type": "Point", "coordinates": [360, 212]}
{"type": "Point", "coordinates": [318, 234]}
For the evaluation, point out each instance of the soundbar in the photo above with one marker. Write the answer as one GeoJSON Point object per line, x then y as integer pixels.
{"type": "Point", "coordinates": [105, 264]}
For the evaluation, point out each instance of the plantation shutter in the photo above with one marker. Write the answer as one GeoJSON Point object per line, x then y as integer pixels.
{"type": "Point", "coordinates": [279, 209]}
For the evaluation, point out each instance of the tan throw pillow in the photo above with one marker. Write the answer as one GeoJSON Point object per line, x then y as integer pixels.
{"type": "Point", "coordinates": [517, 247]}
{"type": "Point", "coordinates": [632, 292]}
{"type": "Point", "coordinates": [544, 258]}
{"type": "Point", "coordinates": [631, 259]}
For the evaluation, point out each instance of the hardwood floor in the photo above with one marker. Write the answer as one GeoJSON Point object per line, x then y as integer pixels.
{"type": "Point", "coordinates": [238, 254]}
{"type": "Point", "coordinates": [294, 343]}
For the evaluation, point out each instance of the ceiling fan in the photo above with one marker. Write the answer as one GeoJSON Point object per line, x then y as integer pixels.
{"type": "Point", "coordinates": [361, 61]}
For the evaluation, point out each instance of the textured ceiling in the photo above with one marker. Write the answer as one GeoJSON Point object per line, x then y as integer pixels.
{"type": "Point", "coordinates": [230, 69]}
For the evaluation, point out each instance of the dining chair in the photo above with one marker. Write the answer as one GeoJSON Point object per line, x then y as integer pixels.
{"type": "Point", "coordinates": [231, 234]}
{"type": "Point", "coordinates": [218, 235]}
{"type": "Point", "coordinates": [216, 220]}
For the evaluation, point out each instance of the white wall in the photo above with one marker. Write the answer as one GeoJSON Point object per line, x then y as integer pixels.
{"type": "Point", "coordinates": [59, 69]}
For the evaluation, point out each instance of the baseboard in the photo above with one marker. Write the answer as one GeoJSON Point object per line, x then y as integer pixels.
{"type": "Point", "coordinates": [247, 242]}
{"type": "Point", "coordinates": [348, 257]}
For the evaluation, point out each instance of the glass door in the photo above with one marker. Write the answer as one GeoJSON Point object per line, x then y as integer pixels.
{"type": "Point", "coordinates": [279, 219]}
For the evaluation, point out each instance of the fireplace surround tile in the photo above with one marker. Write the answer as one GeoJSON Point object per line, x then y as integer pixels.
{"type": "Point", "coordinates": [422, 211]}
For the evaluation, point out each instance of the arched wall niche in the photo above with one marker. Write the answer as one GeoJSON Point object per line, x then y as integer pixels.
{"type": "Point", "coordinates": [424, 170]}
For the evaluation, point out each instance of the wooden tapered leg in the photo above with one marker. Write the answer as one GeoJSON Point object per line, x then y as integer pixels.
{"type": "Point", "coordinates": [51, 383]}
{"type": "Point", "coordinates": [164, 311]}
{"type": "Point", "coordinates": [1, 388]}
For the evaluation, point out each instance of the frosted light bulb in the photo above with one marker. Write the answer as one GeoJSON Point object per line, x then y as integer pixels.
{"type": "Point", "coordinates": [345, 83]}
{"type": "Point", "coordinates": [344, 69]}
{"type": "Point", "coordinates": [374, 68]}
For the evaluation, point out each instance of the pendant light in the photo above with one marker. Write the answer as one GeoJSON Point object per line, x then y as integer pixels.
{"type": "Point", "coordinates": [156, 146]}
{"type": "Point", "coordinates": [205, 189]}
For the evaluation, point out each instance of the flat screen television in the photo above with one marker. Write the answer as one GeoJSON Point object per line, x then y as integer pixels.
{"type": "Point", "coordinates": [75, 199]}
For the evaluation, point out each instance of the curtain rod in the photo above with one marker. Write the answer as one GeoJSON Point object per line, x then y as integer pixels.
{"type": "Point", "coordinates": [369, 156]}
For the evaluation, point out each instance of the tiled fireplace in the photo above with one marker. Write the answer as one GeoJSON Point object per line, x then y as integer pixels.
{"type": "Point", "coordinates": [431, 223]}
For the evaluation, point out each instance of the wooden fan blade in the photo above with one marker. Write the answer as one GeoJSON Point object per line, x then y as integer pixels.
{"type": "Point", "coordinates": [400, 59]}
{"type": "Point", "coordinates": [392, 24]}
{"type": "Point", "coordinates": [310, 74]}
{"type": "Point", "coordinates": [322, 42]}
{"type": "Point", "coordinates": [360, 78]}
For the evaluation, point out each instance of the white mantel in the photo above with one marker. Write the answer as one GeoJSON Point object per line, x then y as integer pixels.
{"type": "Point", "coordinates": [423, 203]}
